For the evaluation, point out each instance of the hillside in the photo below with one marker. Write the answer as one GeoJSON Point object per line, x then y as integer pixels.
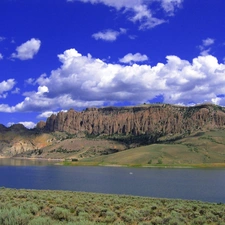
{"type": "Point", "coordinates": [202, 149]}
{"type": "Point", "coordinates": [142, 135]}
{"type": "Point", "coordinates": [53, 145]}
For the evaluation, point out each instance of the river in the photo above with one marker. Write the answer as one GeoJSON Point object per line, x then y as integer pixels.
{"type": "Point", "coordinates": [193, 184]}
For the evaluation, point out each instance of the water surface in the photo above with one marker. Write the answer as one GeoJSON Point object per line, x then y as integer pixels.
{"type": "Point", "coordinates": [196, 184]}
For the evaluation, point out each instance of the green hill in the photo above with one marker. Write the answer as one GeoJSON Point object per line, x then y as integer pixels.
{"type": "Point", "coordinates": [206, 149]}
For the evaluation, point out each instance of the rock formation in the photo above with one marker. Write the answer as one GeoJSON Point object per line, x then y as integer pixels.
{"type": "Point", "coordinates": [161, 119]}
{"type": "Point", "coordinates": [151, 121]}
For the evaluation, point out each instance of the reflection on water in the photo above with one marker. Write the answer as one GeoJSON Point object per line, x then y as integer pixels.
{"type": "Point", "coordinates": [25, 162]}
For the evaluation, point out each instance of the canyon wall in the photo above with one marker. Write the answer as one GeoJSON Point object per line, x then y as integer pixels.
{"type": "Point", "coordinates": [159, 119]}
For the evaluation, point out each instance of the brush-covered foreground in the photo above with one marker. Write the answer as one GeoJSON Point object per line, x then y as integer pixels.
{"type": "Point", "coordinates": [35, 207]}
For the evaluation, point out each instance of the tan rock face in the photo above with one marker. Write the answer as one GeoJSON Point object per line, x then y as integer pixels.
{"type": "Point", "coordinates": [13, 142]}
{"type": "Point", "coordinates": [153, 120]}
{"type": "Point", "coordinates": [148, 119]}
{"type": "Point", "coordinates": [40, 125]}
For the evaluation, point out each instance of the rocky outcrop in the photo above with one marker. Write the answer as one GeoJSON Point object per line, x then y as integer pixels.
{"type": "Point", "coordinates": [13, 142]}
{"type": "Point", "coordinates": [40, 125]}
{"type": "Point", "coordinates": [161, 119]}
{"type": "Point", "coordinates": [152, 121]}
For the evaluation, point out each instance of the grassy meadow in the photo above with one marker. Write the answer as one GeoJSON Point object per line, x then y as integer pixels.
{"type": "Point", "coordinates": [37, 207]}
{"type": "Point", "coordinates": [202, 149]}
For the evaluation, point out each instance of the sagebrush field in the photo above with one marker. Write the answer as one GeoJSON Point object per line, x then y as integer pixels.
{"type": "Point", "coordinates": [37, 207]}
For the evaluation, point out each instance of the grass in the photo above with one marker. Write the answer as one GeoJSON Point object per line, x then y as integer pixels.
{"type": "Point", "coordinates": [202, 149]}
{"type": "Point", "coordinates": [199, 149]}
{"type": "Point", "coordinates": [35, 207]}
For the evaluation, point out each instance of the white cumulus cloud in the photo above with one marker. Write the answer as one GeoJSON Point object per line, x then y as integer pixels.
{"type": "Point", "coordinates": [27, 50]}
{"type": "Point", "coordinates": [1, 56]}
{"type": "Point", "coordinates": [88, 79]}
{"type": "Point", "coordinates": [108, 35]}
{"type": "Point", "coordinates": [171, 5]}
{"type": "Point", "coordinates": [84, 81]}
{"type": "Point", "coordinates": [6, 86]}
{"type": "Point", "coordinates": [46, 114]}
{"type": "Point", "coordinates": [28, 124]}
{"type": "Point", "coordinates": [130, 58]}
{"type": "Point", "coordinates": [6, 108]}
{"type": "Point", "coordinates": [42, 90]}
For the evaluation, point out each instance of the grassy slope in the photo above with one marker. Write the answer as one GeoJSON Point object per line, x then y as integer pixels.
{"type": "Point", "coordinates": [200, 149]}
{"type": "Point", "coordinates": [205, 149]}
{"type": "Point", "coordinates": [60, 145]}
{"type": "Point", "coordinates": [60, 207]}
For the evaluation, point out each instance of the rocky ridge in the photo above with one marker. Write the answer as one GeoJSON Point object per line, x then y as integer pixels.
{"type": "Point", "coordinates": [149, 121]}
{"type": "Point", "coordinates": [161, 119]}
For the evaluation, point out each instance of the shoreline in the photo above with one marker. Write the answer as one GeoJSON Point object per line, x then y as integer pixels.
{"type": "Point", "coordinates": [64, 162]}
{"type": "Point", "coordinates": [166, 166]}
{"type": "Point", "coordinates": [32, 158]}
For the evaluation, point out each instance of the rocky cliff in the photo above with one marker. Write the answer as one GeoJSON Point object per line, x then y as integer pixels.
{"type": "Point", "coordinates": [133, 125]}
{"type": "Point", "coordinates": [17, 139]}
{"type": "Point", "coordinates": [161, 119]}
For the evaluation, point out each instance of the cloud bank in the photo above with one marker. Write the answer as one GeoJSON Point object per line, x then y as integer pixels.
{"type": "Point", "coordinates": [84, 81]}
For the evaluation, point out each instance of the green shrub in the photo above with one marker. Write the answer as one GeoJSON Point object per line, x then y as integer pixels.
{"type": "Point", "coordinates": [42, 221]}
{"type": "Point", "coordinates": [156, 220]}
{"type": "Point", "coordinates": [60, 214]}
{"type": "Point", "coordinates": [14, 216]}
{"type": "Point", "coordinates": [160, 161]}
{"type": "Point", "coordinates": [24, 207]}
{"type": "Point", "coordinates": [110, 217]}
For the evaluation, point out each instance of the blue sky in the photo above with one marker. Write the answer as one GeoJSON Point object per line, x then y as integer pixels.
{"type": "Point", "coordinates": [62, 54]}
